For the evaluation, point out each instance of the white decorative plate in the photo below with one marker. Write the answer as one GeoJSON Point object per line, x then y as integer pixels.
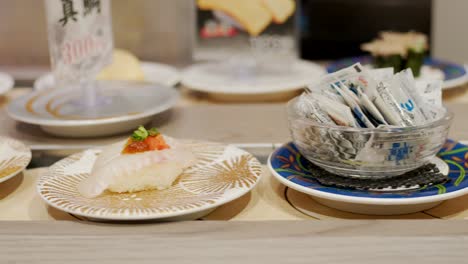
{"type": "Point", "coordinates": [6, 83]}
{"type": "Point", "coordinates": [221, 174]}
{"type": "Point", "coordinates": [125, 106]}
{"type": "Point", "coordinates": [217, 78]}
{"type": "Point", "coordinates": [14, 157]}
{"type": "Point", "coordinates": [154, 73]}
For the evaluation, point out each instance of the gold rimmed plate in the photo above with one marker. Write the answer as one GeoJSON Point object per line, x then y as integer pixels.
{"type": "Point", "coordinates": [14, 157]}
{"type": "Point", "coordinates": [120, 107]}
{"type": "Point", "coordinates": [221, 174]}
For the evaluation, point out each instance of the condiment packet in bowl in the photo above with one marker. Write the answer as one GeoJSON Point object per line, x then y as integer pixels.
{"type": "Point", "coordinates": [430, 90]}
{"type": "Point", "coordinates": [403, 90]}
{"type": "Point", "coordinates": [389, 107]}
{"type": "Point", "coordinates": [318, 88]}
{"type": "Point", "coordinates": [338, 112]}
{"type": "Point", "coordinates": [392, 111]}
{"type": "Point", "coordinates": [350, 100]}
{"type": "Point", "coordinates": [376, 97]}
{"type": "Point", "coordinates": [369, 106]}
{"type": "Point", "coordinates": [355, 74]}
{"type": "Point", "coordinates": [369, 153]}
{"type": "Point", "coordinates": [310, 108]}
{"type": "Point", "coordinates": [382, 74]}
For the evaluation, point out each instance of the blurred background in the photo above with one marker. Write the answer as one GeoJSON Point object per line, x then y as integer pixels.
{"type": "Point", "coordinates": [161, 30]}
{"type": "Point", "coordinates": [332, 29]}
{"type": "Point", "coordinates": [154, 30]}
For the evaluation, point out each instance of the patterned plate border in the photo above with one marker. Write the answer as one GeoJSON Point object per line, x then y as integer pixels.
{"type": "Point", "coordinates": [16, 160]}
{"type": "Point", "coordinates": [221, 174]}
{"type": "Point", "coordinates": [22, 109]}
{"type": "Point", "coordinates": [291, 168]}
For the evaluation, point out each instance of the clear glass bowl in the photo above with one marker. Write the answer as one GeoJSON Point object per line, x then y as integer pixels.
{"type": "Point", "coordinates": [367, 153]}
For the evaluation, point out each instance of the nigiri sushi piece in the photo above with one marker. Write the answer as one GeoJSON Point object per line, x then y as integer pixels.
{"type": "Point", "coordinates": [146, 161]}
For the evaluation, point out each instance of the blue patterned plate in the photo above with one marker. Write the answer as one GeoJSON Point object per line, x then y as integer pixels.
{"type": "Point", "coordinates": [292, 169]}
{"type": "Point", "coordinates": [454, 74]}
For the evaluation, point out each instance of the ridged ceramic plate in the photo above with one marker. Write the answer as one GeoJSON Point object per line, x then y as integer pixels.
{"type": "Point", "coordinates": [14, 157]}
{"type": "Point", "coordinates": [221, 174]}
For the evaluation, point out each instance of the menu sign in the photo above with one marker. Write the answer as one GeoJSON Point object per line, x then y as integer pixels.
{"type": "Point", "coordinates": [229, 28]}
{"type": "Point", "coordinates": [80, 38]}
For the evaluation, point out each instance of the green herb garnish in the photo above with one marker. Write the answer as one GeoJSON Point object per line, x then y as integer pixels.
{"type": "Point", "coordinates": [153, 132]}
{"type": "Point", "coordinates": [141, 133]}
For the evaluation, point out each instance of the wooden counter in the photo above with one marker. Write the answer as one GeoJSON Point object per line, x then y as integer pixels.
{"type": "Point", "coordinates": [430, 241]}
{"type": "Point", "coordinates": [262, 225]}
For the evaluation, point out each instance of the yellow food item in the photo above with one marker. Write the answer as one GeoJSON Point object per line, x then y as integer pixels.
{"type": "Point", "coordinates": [280, 9]}
{"type": "Point", "coordinates": [124, 66]}
{"type": "Point", "coordinates": [251, 14]}
{"type": "Point", "coordinates": [203, 4]}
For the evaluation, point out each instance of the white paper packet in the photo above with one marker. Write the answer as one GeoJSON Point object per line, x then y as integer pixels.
{"type": "Point", "coordinates": [338, 112]}
{"type": "Point", "coordinates": [356, 74]}
{"type": "Point", "coordinates": [382, 74]}
{"type": "Point", "coordinates": [430, 93]}
{"type": "Point", "coordinates": [367, 104]}
{"type": "Point", "coordinates": [310, 108]}
{"type": "Point", "coordinates": [403, 89]}
{"type": "Point", "coordinates": [325, 91]}
{"type": "Point", "coordinates": [351, 102]}
{"type": "Point", "coordinates": [346, 86]}
{"type": "Point", "coordinates": [388, 106]}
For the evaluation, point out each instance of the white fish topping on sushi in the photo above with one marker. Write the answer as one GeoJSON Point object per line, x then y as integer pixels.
{"type": "Point", "coordinates": [147, 161]}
